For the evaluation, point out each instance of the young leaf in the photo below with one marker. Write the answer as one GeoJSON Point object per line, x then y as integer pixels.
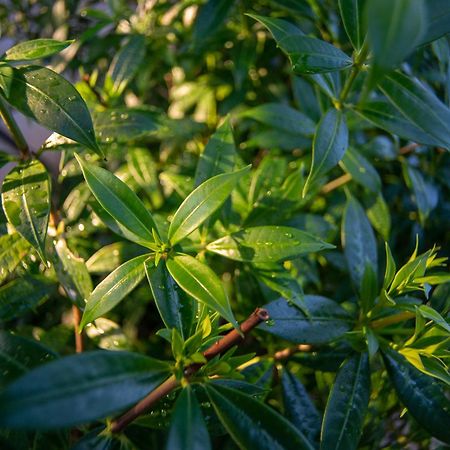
{"type": "Point", "coordinates": [13, 248]}
{"type": "Point", "coordinates": [22, 295]}
{"type": "Point", "coordinates": [53, 102]}
{"type": "Point", "coordinates": [299, 408]}
{"type": "Point", "coordinates": [418, 104]}
{"type": "Point", "coordinates": [358, 240]}
{"type": "Point", "coordinates": [347, 405]}
{"type": "Point", "coordinates": [352, 13]}
{"type": "Point", "coordinates": [113, 289]}
{"type": "Point", "coordinates": [394, 30]}
{"type": "Point", "coordinates": [120, 202]}
{"type": "Point", "coordinates": [176, 310]}
{"type": "Point", "coordinates": [18, 355]}
{"type": "Point", "coordinates": [329, 145]}
{"type": "Point", "coordinates": [308, 55]}
{"type": "Point", "coordinates": [219, 154]}
{"type": "Point", "coordinates": [253, 424]}
{"type": "Point", "coordinates": [35, 49]}
{"type": "Point", "coordinates": [202, 203]}
{"type": "Point", "coordinates": [380, 216]}
{"type": "Point", "coordinates": [126, 63]}
{"type": "Point", "coordinates": [267, 244]}
{"type": "Point", "coordinates": [326, 320]}
{"type": "Point", "coordinates": [421, 394]}
{"type": "Point", "coordinates": [6, 78]}
{"type": "Point", "coordinates": [26, 202]}
{"type": "Point", "coordinates": [199, 281]}
{"type": "Point", "coordinates": [72, 390]}
{"type": "Point", "coordinates": [188, 428]}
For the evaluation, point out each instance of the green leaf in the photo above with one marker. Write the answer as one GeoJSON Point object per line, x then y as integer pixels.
{"type": "Point", "coordinates": [22, 295]}
{"type": "Point", "coordinates": [53, 102]}
{"type": "Point", "coordinates": [380, 216]}
{"type": "Point", "coordinates": [418, 104]}
{"type": "Point", "coordinates": [219, 155]}
{"type": "Point", "coordinates": [438, 20]}
{"type": "Point", "coordinates": [253, 424]}
{"type": "Point", "coordinates": [200, 282]}
{"type": "Point", "coordinates": [26, 202]}
{"type": "Point", "coordinates": [110, 257]}
{"type": "Point", "coordinates": [431, 314]}
{"type": "Point", "coordinates": [358, 240]}
{"type": "Point", "coordinates": [18, 355]}
{"type": "Point", "coordinates": [120, 202]}
{"type": "Point", "coordinates": [6, 78]}
{"type": "Point", "coordinates": [122, 125]}
{"type": "Point", "coordinates": [426, 193]}
{"type": "Point", "coordinates": [385, 116]}
{"type": "Point", "coordinates": [308, 55]}
{"type": "Point", "coordinates": [394, 30]}
{"type": "Point", "coordinates": [347, 405]}
{"type": "Point", "coordinates": [421, 394]}
{"type": "Point", "coordinates": [13, 249]}
{"type": "Point", "coordinates": [35, 49]}
{"type": "Point", "coordinates": [202, 203]}
{"type": "Point", "coordinates": [176, 310]}
{"type": "Point", "coordinates": [299, 408]}
{"type": "Point", "coordinates": [361, 170]}
{"type": "Point", "coordinates": [73, 274]}
{"type": "Point", "coordinates": [72, 390]}
{"type": "Point", "coordinates": [389, 273]}
{"type": "Point", "coordinates": [352, 13]}
{"type": "Point", "coordinates": [267, 244]}
{"type": "Point", "coordinates": [281, 117]}
{"type": "Point", "coordinates": [126, 63]}
{"type": "Point", "coordinates": [75, 202]}
{"type": "Point", "coordinates": [113, 289]}
{"type": "Point", "coordinates": [326, 320]}
{"type": "Point", "coordinates": [188, 428]}
{"type": "Point", "coordinates": [329, 145]}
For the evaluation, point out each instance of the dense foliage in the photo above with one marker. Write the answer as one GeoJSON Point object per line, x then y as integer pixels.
{"type": "Point", "coordinates": [245, 235]}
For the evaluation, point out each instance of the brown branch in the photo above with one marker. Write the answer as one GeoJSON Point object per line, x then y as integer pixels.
{"type": "Point", "coordinates": [408, 148]}
{"type": "Point", "coordinates": [229, 340]}
{"type": "Point", "coordinates": [289, 351]}
{"type": "Point", "coordinates": [79, 344]}
{"type": "Point", "coordinates": [334, 184]}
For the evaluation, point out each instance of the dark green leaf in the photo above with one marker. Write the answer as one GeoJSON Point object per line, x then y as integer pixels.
{"type": "Point", "coordinates": [282, 117]}
{"type": "Point", "coordinates": [385, 116]}
{"type": "Point", "coordinates": [329, 145]}
{"type": "Point", "coordinates": [188, 428]}
{"type": "Point", "coordinates": [22, 295]}
{"type": "Point", "coordinates": [26, 202]}
{"type": "Point", "coordinates": [126, 63]}
{"type": "Point", "coordinates": [72, 390]}
{"type": "Point", "coordinates": [307, 54]}
{"type": "Point", "coordinates": [358, 240]}
{"type": "Point", "coordinates": [200, 282]}
{"type": "Point", "coordinates": [175, 308]}
{"type": "Point", "coordinates": [13, 248]}
{"type": "Point", "coordinates": [53, 102]}
{"type": "Point", "coordinates": [35, 49]}
{"type": "Point", "coordinates": [120, 202]}
{"type": "Point", "coordinates": [347, 405]}
{"type": "Point", "coordinates": [326, 320]}
{"type": "Point", "coordinates": [267, 244]}
{"type": "Point", "coordinates": [352, 13]}
{"type": "Point", "coordinates": [361, 170]}
{"type": "Point", "coordinates": [219, 155]}
{"type": "Point", "coordinates": [113, 289]}
{"type": "Point", "coordinates": [202, 203]}
{"type": "Point", "coordinates": [438, 20]}
{"type": "Point", "coordinates": [394, 30]}
{"type": "Point", "coordinates": [18, 355]}
{"type": "Point", "coordinates": [299, 408]}
{"type": "Point", "coordinates": [418, 104]}
{"type": "Point", "coordinates": [421, 394]}
{"type": "Point", "coordinates": [6, 78]}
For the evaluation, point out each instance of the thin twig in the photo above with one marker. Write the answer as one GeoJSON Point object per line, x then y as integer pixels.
{"type": "Point", "coordinates": [16, 133]}
{"type": "Point", "coordinates": [229, 340]}
{"type": "Point", "coordinates": [289, 351]}
{"type": "Point", "coordinates": [79, 344]}
{"type": "Point", "coordinates": [334, 184]}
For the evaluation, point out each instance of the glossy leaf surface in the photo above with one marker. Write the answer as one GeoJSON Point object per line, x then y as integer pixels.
{"type": "Point", "coordinates": [26, 202]}
{"type": "Point", "coordinates": [267, 244]}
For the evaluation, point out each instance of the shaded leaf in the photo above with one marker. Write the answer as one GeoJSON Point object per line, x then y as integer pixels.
{"type": "Point", "coordinates": [13, 249]}
{"type": "Point", "coordinates": [361, 170]}
{"type": "Point", "coordinates": [352, 13]}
